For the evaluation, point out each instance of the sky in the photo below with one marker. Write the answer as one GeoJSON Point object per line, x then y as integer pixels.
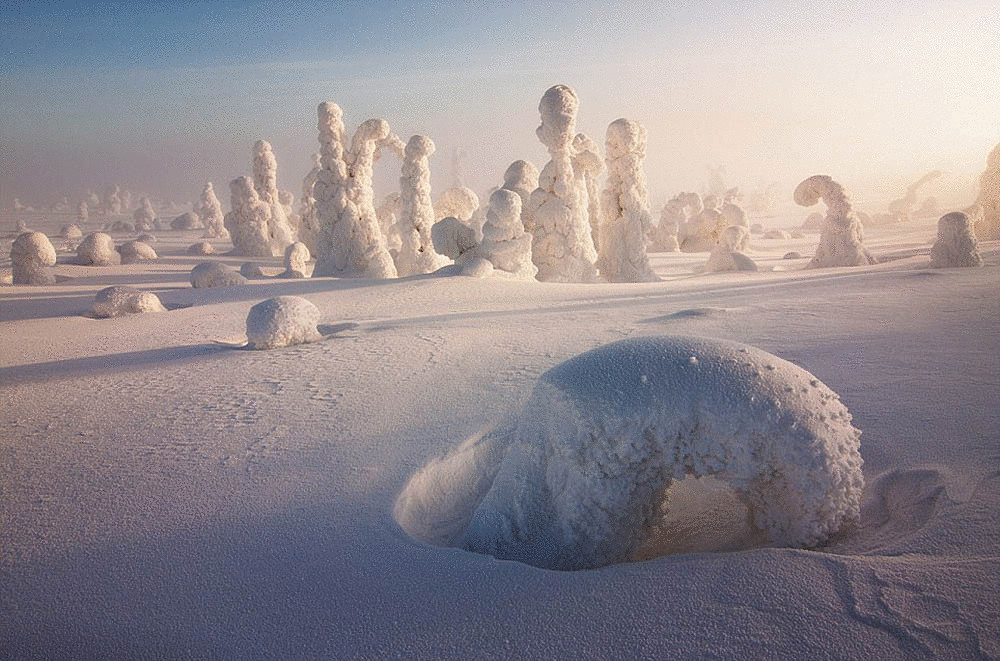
{"type": "Point", "coordinates": [161, 97]}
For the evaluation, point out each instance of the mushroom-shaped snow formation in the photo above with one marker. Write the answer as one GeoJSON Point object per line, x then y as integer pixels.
{"type": "Point", "coordinates": [118, 301]}
{"type": "Point", "coordinates": [840, 242]}
{"type": "Point", "coordinates": [214, 274]}
{"type": "Point", "coordinates": [416, 252]}
{"type": "Point", "coordinates": [563, 249]}
{"type": "Point", "coordinates": [604, 435]}
{"type": "Point", "coordinates": [350, 242]}
{"type": "Point", "coordinates": [98, 249]}
{"type": "Point", "coordinates": [296, 257]}
{"type": "Point", "coordinates": [505, 243]}
{"type": "Point", "coordinates": [30, 256]}
{"type": "Point", "coordinates": [728, 255]}
{"type": "Point", "coordinates": [209, 211]}
{"type": "Point", "coordinates": [458, 201]}
{"type": "Point", "coordinates": [521, 177]}
{"type": "Point", "coordinates": [136, 251]}
{"type": "Point", "coordinates": [282, 321]}
{"type": "Point", "coordinates": [956, 242]}
{"type": "Point", "coordinates": [625, 201]}
{"type": "Point", "coordinates": [201, 248]}
{"type": "Point", "coordinates": [987, 224]}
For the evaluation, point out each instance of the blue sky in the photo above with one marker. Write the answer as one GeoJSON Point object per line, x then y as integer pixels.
{"type": "Point", "coordinates": [162, 96]}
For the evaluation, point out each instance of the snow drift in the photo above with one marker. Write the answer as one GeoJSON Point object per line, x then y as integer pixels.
{"type": "Point", "coordinates": [583, 477]}
{"type": "Point", "coordinates": [282, 321]}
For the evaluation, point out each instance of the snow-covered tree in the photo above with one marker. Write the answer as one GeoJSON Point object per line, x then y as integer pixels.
{"type": "Point", "coordinates": [209, 210]}
{"type": "Point", "coordinates": [956, 243]}
{"type": "Point", "coordinates": [841, 242]}
{"type": "Point", "coordinates": [505, 244]}
{"type": "Point", "coordinates": [416, 253]}
{"type": "Point", "coordinates": [521, 177]}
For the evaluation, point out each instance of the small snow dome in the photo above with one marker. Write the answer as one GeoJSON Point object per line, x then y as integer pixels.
{"type": "Point", "coordinates": [98, 249]}
{"type": "Point", "coordinates": [30, 256]}
{"type": "Point", "coordinates": [587, 473]}
{"type": "Point", "coordinates": [214, 274]}
{"type": "Point", "coordinates": [282, 321]}
{"type": "Point", "coordinates": [118, 301]}
{"type": "Point", "coordinates": [136, 251]}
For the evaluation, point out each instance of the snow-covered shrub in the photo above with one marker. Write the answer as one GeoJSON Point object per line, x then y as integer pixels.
{"type": "Point", "coordinates": [956, 243]}
{"type": "Point", "coordinates": [308, 230]}
{"type": "Point", "coordinates": [521, 177]}
{"type": "Point", "coordinates": [625, 202]}
{"type": "Point", "coordinates": [728, 254]}
{"type": "Point", "coordinates": [123, 227]}
{"type": "Point", "coordinates": [215, 274]}
{"type": "Point", "coordinates": [118, 301]}
{"type": "Point", "coordinates": [900, 210]}
{"type": "Point", "coordinates": [136, 251]}
{"type": "Point", "coordinates": [148, 239]}
{"type": "Point", "coordinates": [841, 241]}
{"type": "Point", "coordinates": [734, 214]}
{"type": "Point", "coordinates": [201, 248]}
{"type": "Point", "coordinates": [82, 212]}
{"type": "Point", "coordinates": [296, 257]}
{"type": "Point", "coordinates": [663, 237]}
{"type": "Point", "coordinates": [454, 239]}
{"type": "Point", "coordinates": [209, 211]}
{"type": "Point", "coordinates": [506, 246]}
{"type": "Point", "coordinates": [97, 249]}
{"type": "Point", "coordinates": [111, 204]}
{"type": "Point", "coordinates": [350, 241]}
{"type": "Point", "coordinates": [416, 254]}
{"type": "Point", "coordinates": [145, 215]}
{"type": "Point", "coordinates": [563, 249]}
{"type": "Point", "coordinates": [251, 223]}
{"type": "Point", "coordinates": [587, 477]}
{"type": "Point", "coordinates": [71, 232]}
{"type": "Point", "coordinates": [31, 255]}
{"type": "Point", "coordinates": [701, 231]}
{"type": "Point", "coordinates": [282, 321]}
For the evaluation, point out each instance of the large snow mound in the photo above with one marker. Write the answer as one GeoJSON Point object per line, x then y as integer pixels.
{"type": "Point", "coordinates": [98, 249]}
{"type": "Point", "coordinates": [583, 477]}
{"type": "Point", "coordinates": [30, 256]}
{"type": "Point", "coordinates": [282, 321]}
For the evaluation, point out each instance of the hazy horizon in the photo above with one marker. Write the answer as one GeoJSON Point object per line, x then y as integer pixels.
{"type": "Point", "coordinates": [162, 98]}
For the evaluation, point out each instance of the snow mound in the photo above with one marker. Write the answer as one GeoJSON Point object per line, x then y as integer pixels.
{"type": "Point", "coordinates": [214, 274]}
{"type": "Point", "coordinates": [282, 321]}
{"type": "Point", "coordinates": [201, 248]}
{"type": "Point", "coordinates": [30, 256]}
{"type": "Point", "coordinates": [956, 243]}
{"type": "Point", "coordinates": [187, 221]}
{"type": "Point", "coordinates": [728, 255]}
{"type": "Point", "coordinates": [136, 251]}
{"type": "Point", "coordinates": [98, 249]}
{"type": "Point", "coordinates": [453, 238]}
{"type": "Point", "coordinates": [119, 301]}
{"type": "Point", "coordinates": [251, 271]}
{"type": "Point", "coordinates": [71, 232]}
{"type": "Point", "coordinates": [583, 477]}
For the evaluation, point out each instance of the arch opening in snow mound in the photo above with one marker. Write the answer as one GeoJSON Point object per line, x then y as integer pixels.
{"type": "Point", "coordinates": [646, 447]}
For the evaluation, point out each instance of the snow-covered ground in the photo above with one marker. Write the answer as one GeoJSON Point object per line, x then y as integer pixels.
{"type": "Point", "coordinates": [165, 494]}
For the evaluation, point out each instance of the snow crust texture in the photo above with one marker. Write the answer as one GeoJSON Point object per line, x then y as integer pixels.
{"type": "Point", "coordinates": [605, 434]}
{"type": "Point", "coordinates": [956, 243]}
{"type": "Point", "coordinates": [31, 255]}
{"type": "Point", "coordinates": [119, 301]}
{"type": "Point", "coordinates": [282, 321]}
{"type": "Point", "coordinates": [215, 274]}
{"type": "Point", "coordinates": [625, 201]}
{"type": "Point", "coordinates": [98, 249]}
{"type": "Point", "coordinates": [841, 239]}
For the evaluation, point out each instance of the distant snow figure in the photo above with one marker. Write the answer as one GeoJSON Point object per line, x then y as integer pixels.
{"type": "Point", "coordinates": [308, 231]}
{"type": "Point", "coordinates": [254, 230]}
{"type": "Point", "coordinates": [144, 215]}
{"type": "Point", "coordinates": [18, 207]}
{"type": "Point", "coordinates": [563, 249]}
{"type": "Point", "coordinates": [814, 221]}
{"type": "Point", "coordinates": [521, 177]}
{"type": "Point", "coordinates": [901, 209]}
{"type": "Point", "coordinates": [136, 251]}
{"type": "Point", "coordinates": [209, 211]}
{"type": "Point", "coordinates": [454, 239]}
{"type": "Point", "coordinates": [186, 221]}
{"type": "Point", "coordinates": [457, 201]}
{"type": "Point", "coordinates": [663, 237]}
{"type": "Point", "coordinates": [71, 232]}
{"type": "Point", "coordinates": [111, 204]}
{"type": "Point", "coordinates": [416, 254]}
{"type": "Point", "coordinates": [625, 201]}
{"type": "Point", "coordinates": [350, 242]}
{"type": "Point", "coordinates": [296, 257]}
{"type": "Point", "coordinates": [780, 235]}
{"type": "Point", "coordinates": [82, 212]}
{"type": "Point", "coordinates": [215, 274]}
{"type": "Point", "coordinates": [701, 231]}
{"type": "Point", "coordinates": [986, 210]}
{"type": "Point", "coordinates": [201, 248]}
{"type": "Point", "coordinates": [956, 243]}
{"type": "Point", "coordinates": [265, 183]}
{"type": "Point", "coordinates": [840, 242]}
{"type": "Point", "coordinates": [597, 448]}
{"type": "Point", "coordinates": [388, 213]}
{"type": "Point", "coordinates": [728, 254]}
{"type": "Point", "coordinates": [97, 249]}
{"type": "Point", "coordinates": [282, 321]}
{"type": "Point", "coordinates": [505, 244]}
{"type": "Point", "coordinates": [31, 255]}
{"type": "Point", "coordinates": [119, 301]}
{"type": "Point", "coordinates": [123, 227]}
{"type": "Point", "coordinates": [588, 164]}
{"type": "Point", "coordinates": [732, 212]}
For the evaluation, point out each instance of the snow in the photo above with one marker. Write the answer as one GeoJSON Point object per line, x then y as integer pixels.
{"type": "Point", "coordinates": [840, 241]}
{"type": "Point", "coordinates": [956, 242]}
{"type": "Point", "coordinates": [506, 246]}
{"type": "Point", "coordinates": [117, 301]}
{"type": "Point", "coordinates": [521, 177]}
{"type": "Point", "coordinates": [987, 203]}
{"type": "Point", "coordinates": [282, 321]}
{"type": "Point", "coordinates": [184, 222]}
{"type": "Point", "coordinates": [729, 253]}
{"type": "Point", "coordinates": [136, 251]}
{"type": "Point", "coordinates": [454, 239]}
{"type": "Point", "coordinates": [71, 232]}
{"type": "Point", "coordinates": [201, 248]}
{"type": "Point", "coordinates": [416, 254]}
{"type": "Point", "coordinates": [31, 255]}
{"type": "Point", "coordinates": [296, 257]}
{"type": "Point", "coordinates": [215, 274]}
{"type": "Point", "coordinates": [97, 249]}
{"type": "Point", "coordinates": [586, 479]}
{"type": "Point", "coordinates": [251, 223]}
{"type": "Point", "coordinates": [209, 211]}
